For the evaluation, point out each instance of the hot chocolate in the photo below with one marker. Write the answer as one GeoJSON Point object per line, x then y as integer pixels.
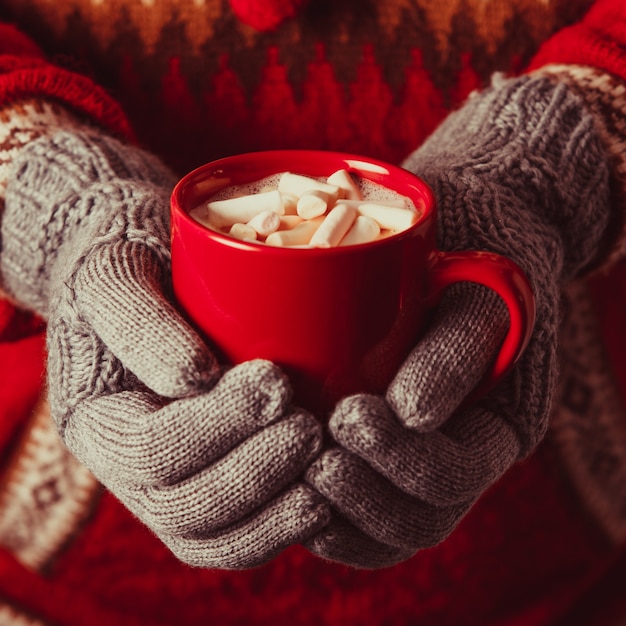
{"type": "Point", "coordinates": [292, 210]}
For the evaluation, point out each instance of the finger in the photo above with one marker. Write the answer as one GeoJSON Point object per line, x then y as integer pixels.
{"type": "Point", "coordinates": [451, 359]}
{"type": "Point", "coordinates": [120, 293]}
{"type": "Point", "coordinates": [132, 435]}
{"type": "Point", "coordinates": [377, 507]}
{"type": "Point", "coordinates": [341, 541]}
{"type": "Point", "coordinates": [289, 519]}
{"type": "Point", "coordinates": [444, 467]}
{"type": "Point", "coordinates": [230, 489]}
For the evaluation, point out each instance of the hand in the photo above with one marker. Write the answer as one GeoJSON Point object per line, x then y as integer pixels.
{"type": "Point", "coordinates": [208, 459]}
{"type": "Point", "coordinates": [519, 170]}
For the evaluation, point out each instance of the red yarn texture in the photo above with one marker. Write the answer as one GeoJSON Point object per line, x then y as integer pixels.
{"type": "Point", "coordinates": [265, 14]}
{"type": "Point", "coordinates": [526, 555]}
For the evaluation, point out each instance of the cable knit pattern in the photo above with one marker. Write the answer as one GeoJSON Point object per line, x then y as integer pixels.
{"type": "Point", "coordinates": [62, 168]}
{"type": "Point", "coordinates": [520, 170]}
{"type": "Point", "coordinates": [373, 78]}
{"type": "Point", "coordinates": [511, 171]}
{"type": "Point", "coordinates": [22, 122]}
{"type": "Point", "coordinates": [533, 144]}
{"type": "Point", "coordinates": [197, 454]}
{"type": "Point", "coordinates": [605, 97]}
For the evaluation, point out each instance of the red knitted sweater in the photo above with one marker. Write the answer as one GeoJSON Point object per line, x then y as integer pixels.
{"type": "Point", "coordinates": [196, 79]}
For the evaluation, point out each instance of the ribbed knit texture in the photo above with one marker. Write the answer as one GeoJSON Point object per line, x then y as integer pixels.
{"type": "Point", "coordinates": [209, 461]}
{"type": "Point", "coordinates": [510, 170]}
{"type": "Point", "coordinates": [198, 84]}
{"type": "Point", "coordinates": [519, 170]}
{"type": "Point", "coordinates": [85, 183]}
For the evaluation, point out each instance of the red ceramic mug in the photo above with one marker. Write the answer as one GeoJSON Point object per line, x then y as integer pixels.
{"type": "Point", "coordinates": [337, 320]}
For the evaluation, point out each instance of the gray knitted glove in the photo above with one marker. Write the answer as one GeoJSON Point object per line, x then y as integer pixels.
{"type": "Point", "coordinates": [209, 462]}
{"type": "Point", "coordinates": [519, 170]}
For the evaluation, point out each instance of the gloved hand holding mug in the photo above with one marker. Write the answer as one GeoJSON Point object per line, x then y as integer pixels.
{"type": "Point", "coordinates": [208, 459]}
{"type": "Point", "coordinates": [519, 170]}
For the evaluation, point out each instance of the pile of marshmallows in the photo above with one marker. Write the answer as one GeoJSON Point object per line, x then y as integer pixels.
{"type": "Point", "coordinates": [308, 212]}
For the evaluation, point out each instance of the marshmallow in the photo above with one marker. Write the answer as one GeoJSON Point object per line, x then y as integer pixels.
{"type": "Point", "coordinates": [355, 204]}
{"type": "Point", "coordinates": [289, 221]}
{"type": "Point", "coordinates": [388, 216]}
{"type": "Point", "coordinates": [297, 185]}
{"type": "Point", "coordinates": [225, 213]}
{"type": "Point", "coordinates": [306, 212]}
{"type": "Point", "coordinates": [364, 230]}
{"type": "Point", "coordinates": [290, 203]}
{"type": "Point", "coordinates": [264, 223]}
{"type": "Point", "coordinates": [335, 225]}
{"type": "Point", "coordinates": [345, 182]}
{"type": "Point", "coordinates": [300, 235]}
{"type": "Point", "coordinates": [313, 204]}
{"type": "Point", "coordinates": [243, 232]}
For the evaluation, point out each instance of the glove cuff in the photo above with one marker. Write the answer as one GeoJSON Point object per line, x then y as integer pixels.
{"type": "Point", "coordinates": [47, 204]}
{"type": "Point", "coordinates": [521, 170]}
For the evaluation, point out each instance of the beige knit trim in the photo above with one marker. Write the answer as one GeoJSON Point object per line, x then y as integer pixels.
{"type": "Point", "coordinates": [605, 96]}
{"type": "Point", "coordinates": [22, 122]}
{"type": "Point", "coordinates": [589, 423]}
{"type": "Point", "coordinates": [46, 495]}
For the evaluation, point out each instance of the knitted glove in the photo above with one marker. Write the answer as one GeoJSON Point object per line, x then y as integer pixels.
{"type": "Point", "coordinates": [208, 461]}
{"type": "Point", "coordinates": [520, 171]}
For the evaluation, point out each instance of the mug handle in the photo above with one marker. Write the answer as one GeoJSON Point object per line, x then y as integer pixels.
{"type": "Point", "coordinates": [507, 279]}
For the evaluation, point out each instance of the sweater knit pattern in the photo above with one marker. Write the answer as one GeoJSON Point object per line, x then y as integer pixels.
{"type": "Point", "coordinates": [180, 65]}
{"type": "Point", "coordinates": [189, 74]}
{"type": "Point", "coordinates": [605, 97]}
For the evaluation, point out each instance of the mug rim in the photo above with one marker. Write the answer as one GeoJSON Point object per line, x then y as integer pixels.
{"type": "Point", "coordinates": [354, 162]}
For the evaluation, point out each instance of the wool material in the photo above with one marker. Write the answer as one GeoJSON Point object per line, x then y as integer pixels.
{"type": "Point", "coordinates": [129, 381]}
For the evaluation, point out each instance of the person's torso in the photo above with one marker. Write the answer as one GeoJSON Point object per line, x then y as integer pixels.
{"type": "Point", "coordinates": [364, 77]}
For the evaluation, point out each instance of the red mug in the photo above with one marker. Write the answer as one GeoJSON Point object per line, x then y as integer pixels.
{"type": "Point", "coordinates": [337, 320]}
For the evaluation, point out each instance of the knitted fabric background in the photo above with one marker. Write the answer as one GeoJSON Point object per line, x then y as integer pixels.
{"type": "Point", "coordinates": [197, 83]}
{"type": "Point", "coordinates": [190, 74]}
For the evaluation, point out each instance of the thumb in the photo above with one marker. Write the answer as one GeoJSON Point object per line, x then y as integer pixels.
{"type": "Point", "coordinates": [119, 293]}
{"type": "Point", "coordinates": [450, 360]}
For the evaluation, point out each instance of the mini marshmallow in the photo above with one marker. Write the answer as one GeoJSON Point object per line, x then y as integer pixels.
{"type": "Point", "coordinates": [297, 185]}
{"type": "Point", "coordinates": [344, 181]}
{"type": "Point", "coordinates": [364, 230]}
{"type": "Point", "coordinates": [388, 217]}
{"type": "Point", "coordinates": [264, 223]}
{"type": "Point", "coordinates": [225, 213]}
{"type": "Point", "coordinates": [243, 232]}
{"type": "Point", "coordinates": [289, 221]}
{"type": "Point", "coordinates": [300, 235]}
{"type": "Point", "coordinates": [334, 227]}
{"type": "Point", "coordinates": [285, 216]}
{"type": "Point", "coordinates": [400, 203]}
{"type": "Point", "coordinates": [290, 203]}
{"type": "Point", "coordinates": [313, 204]}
